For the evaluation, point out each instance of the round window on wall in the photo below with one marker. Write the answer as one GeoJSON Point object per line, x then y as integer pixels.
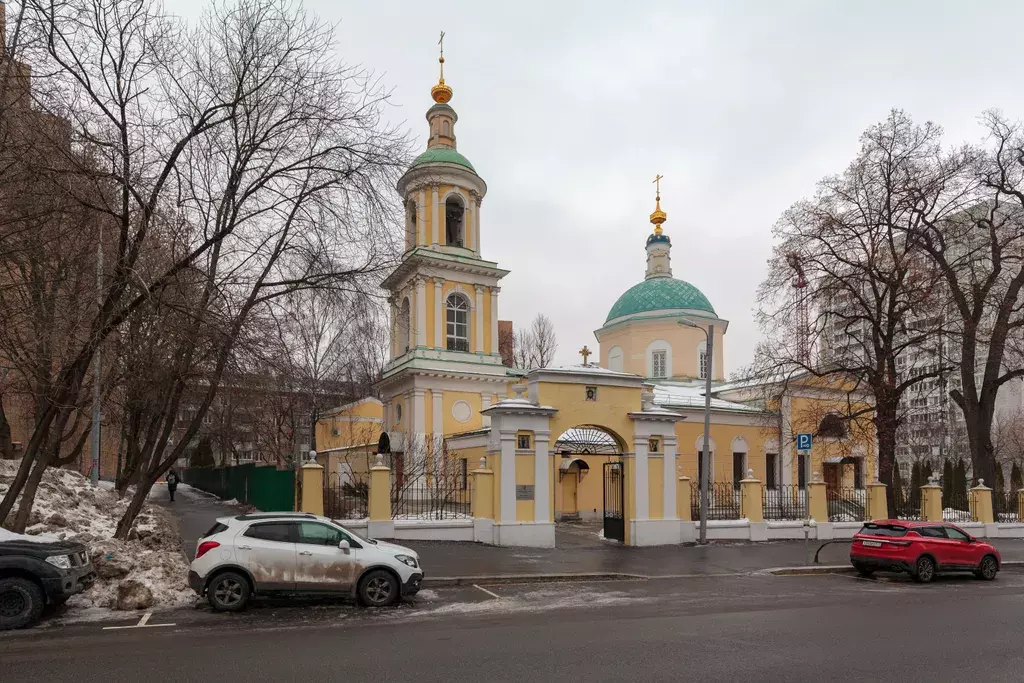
{"type": "Point", "coordinates": [398, 412]}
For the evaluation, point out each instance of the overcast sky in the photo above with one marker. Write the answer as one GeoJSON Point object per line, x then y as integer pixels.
{"type": "Point", "coordinates": [569, 109]}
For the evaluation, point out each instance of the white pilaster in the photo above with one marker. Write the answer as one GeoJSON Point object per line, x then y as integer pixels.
{"type": "Point", "coordinates": [507, 513]}
{"type": "Point", "coordinates": [421, 312]}
{"type": "Point", "coordinates": [485, 403]}
{"type": "Point", "coordinates": [478, 315]}
{"type": "Point", "coordinates": [476, 226]}
{"type": "Point", "coordinates": [788, 463]}
{"type": "Point", "coordinates": [541, 477]}
{"type": "Point", "coordinates": [435, 222]}
{"type": "Point", "coordinates": [421, 216]}
{"type": "Point", "coordinates": [419, 412]}
{"type": "Point", "coordinates": [494, 319]}
{"type": "Point", "coordinates": [641, 485]}
{"type": "Point", "coordinates": [437, 414]}
{"type": "Point", "coordinates": [669, 477]}
{"type": "Point", "coordinates": [439, 322]}
{"type": "Point", "coordinates": [394, 326]}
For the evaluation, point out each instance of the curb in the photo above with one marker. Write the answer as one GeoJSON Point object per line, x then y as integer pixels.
{"type": "Point", "coordinates": [810, 571]}
{"type": "Point", "coordinates": [449, 581]}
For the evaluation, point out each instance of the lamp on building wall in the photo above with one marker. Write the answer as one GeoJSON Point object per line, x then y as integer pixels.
{"type": "Point", "coordinates": [705, 475]}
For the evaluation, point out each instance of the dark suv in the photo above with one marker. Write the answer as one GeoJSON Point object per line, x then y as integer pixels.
{"type": "Point", "coordinates": [35, 575]}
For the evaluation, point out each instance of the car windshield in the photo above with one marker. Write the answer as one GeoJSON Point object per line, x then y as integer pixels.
{"type": "Point", "coordinates": [883, 530]}
{"type": "Point", "coordinates": [354, 534]}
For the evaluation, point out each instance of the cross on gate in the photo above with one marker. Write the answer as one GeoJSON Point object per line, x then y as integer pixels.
{"type": "Point", "coordinates": [585, 352]}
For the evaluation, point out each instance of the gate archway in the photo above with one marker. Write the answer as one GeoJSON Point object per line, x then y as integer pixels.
{"type": "Point", "coordinates": [591, 476]}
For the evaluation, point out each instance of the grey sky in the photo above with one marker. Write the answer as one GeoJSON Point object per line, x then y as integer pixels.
{"type": "Point", "coordinates": [568, 110]}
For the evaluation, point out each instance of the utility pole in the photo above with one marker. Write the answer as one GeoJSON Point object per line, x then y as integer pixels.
{"type": "Point", "coordinates": [94, 474]}
{"type": "Point", "coordinates": [705, 474]}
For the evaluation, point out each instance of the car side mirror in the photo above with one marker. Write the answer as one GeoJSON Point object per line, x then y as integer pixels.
{"type": "Point", "coordinates": [343, 545]}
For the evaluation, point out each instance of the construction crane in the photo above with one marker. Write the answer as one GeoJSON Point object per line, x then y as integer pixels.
{"type": "Point", "coordinates": [803, 332]}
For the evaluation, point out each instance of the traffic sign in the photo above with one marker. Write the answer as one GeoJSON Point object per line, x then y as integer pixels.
{"type": "Point", "coordinates": [803, 442]}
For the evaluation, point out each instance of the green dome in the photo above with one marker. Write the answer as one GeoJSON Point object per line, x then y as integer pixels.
{"type": "Point", "coordinates": [445, 155]}
{"type": "Point", "coordinates": [660, 293]}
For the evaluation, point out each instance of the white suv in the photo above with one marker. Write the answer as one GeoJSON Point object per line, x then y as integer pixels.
{"type": "Point", "coordinates": [298, 553]}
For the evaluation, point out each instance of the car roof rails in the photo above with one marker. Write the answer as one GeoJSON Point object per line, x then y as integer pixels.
{"type": "Point", "coordinates": [273, 515]}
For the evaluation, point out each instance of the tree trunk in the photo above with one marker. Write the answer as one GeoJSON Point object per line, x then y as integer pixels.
{"type": "Point", "coordinates": [28, 497]}
{"type": "Point", "coordinates": [885, 431]}
{"type": "Point", "coordinates": [124, 525]}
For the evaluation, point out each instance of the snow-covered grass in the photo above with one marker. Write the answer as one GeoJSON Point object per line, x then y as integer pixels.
{"type": "Point", "coordinates": [68, 507]}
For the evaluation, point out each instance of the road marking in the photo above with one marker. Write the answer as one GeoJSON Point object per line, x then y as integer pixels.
{"type": "Point", "coordinates": [493, 595]}
{"type": "Point", "coordinates": [143, 623]}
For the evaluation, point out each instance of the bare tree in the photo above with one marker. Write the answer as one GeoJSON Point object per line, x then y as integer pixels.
{"type": "Point", "coordinates": [979, 252]}
{"type": "Point", "coordinates": [871, 291]}
{"type": "Point", "coordinates": [236, 161]}
{"type": "Point", "coordinates": [535, 347]}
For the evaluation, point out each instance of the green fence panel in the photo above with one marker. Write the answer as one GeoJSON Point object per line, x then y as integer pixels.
{"type": "Point", "coordinates": [271, 489]}
{"type": "Point", "coordinates": [265, 488]}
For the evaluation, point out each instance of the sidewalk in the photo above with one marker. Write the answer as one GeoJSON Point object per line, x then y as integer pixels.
{"type": "Point", "coordinates": [442, 559]}
{"type": "Point", "coordinates": [195, 511]}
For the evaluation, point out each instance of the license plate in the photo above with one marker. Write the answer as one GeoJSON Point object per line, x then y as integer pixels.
{"type": "Point", "coordinates": [873, 544]}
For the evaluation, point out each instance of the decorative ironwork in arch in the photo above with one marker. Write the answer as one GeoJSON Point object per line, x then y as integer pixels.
{"type": "Point", "coordinates": [588, 440]}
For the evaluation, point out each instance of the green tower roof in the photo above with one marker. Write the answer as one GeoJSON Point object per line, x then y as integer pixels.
{"type": "Point", "coordinates": [445, 155]}
{"type": "Point", "coordinates": [660, 293]}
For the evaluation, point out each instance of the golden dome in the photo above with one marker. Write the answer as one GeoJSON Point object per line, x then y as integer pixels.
{"type": "Point", "coordinates": [659, 216]}
{"type": "Point", "coordinates": [441, 92]}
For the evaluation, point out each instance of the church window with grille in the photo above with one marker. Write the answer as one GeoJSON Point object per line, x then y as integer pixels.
{"type": "Point", "coordinates": [458, 323]}
{"type": "Point", "coordinates": [659, 363]}
{"type": "Point", "coordinates": [703, 363]}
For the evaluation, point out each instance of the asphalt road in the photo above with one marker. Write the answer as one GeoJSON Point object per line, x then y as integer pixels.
{"type": "Point", "coordinates": [750, 628]}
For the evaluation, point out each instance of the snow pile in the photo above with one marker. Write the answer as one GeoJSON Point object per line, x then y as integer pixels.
{"type": "Point", "coordinates": [955, 515]}
{"type": "Point", "coordinates": [68, 507]}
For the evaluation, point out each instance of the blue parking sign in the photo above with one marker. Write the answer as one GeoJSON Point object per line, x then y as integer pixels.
{"type": "Point", "coordinates": [803, 442]}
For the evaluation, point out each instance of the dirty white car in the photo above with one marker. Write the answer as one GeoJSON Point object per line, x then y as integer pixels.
{"type": "Point", "coordinates": [298, 553]}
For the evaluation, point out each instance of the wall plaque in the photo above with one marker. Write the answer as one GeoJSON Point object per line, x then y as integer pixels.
{"type": "Point", "coordinates": [524, 491]}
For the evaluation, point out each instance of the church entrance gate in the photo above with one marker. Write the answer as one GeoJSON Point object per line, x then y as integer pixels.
{"type": "Point", "coordinates": [614, 501]}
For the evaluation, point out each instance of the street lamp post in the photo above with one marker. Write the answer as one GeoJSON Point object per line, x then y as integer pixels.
{"type": "Point", "coordinates": [705, 474]}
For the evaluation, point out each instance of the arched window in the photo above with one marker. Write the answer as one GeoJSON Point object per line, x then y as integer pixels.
{"type": "Point", "coordinates": [410, 226]}
{"type": "Point", "coordinates": [446, 129]}
{"type": "Point", "coordinates": [832, 427]}
{"type": "Point", "coordinates": [454, 213]}
{"type": "Point", "coordinates": [404, 327]}
{"type": "Point", "coordinates": [615, 359]}
{"type": "Point", "coordinates": [458, 323]}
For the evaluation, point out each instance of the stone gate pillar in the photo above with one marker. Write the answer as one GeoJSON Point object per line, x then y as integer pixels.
{"type": "Point", "coordinates": [524, 482]}
{"type": "Point", "coordinates": [655, 479]}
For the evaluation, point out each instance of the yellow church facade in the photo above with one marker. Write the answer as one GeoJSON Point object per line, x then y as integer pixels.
{"type": "Point", "coordinates": [620, 436]}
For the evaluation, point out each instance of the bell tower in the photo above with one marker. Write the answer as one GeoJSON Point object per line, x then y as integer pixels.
{"type": "Point", "coordinates": [445, 365]}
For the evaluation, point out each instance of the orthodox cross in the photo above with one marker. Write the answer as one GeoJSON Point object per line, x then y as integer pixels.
{"type": "Point", "coordinates": [585, 352]}
{"type": "Point", "coordinates": [441, 58]}
{"type": "Point", "coordinates": [657, 184]}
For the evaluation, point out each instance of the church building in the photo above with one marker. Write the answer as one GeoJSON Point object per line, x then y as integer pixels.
{"type": "Point", "coordinates": [639, 408]}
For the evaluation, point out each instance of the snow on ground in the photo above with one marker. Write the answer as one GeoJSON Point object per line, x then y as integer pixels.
{"type": "Point", "coordinates": [68, 507]}
{"type": "Point", "coordinates": [543, 600]}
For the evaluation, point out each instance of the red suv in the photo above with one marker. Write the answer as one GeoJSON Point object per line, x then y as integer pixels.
{"type": "Point", "coordinates": [921, 549]}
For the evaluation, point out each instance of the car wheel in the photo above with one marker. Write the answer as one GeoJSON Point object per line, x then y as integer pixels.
{"type": "Point", "coordinates": [228, 592]}
{"type": "Point", "coordinates": [21, 603]}
{"type": "Point", "coordinates": [378, 589]}
{"type": "Point", "coordinates": [864, 570]}
{"type": "Point", "coordinates": [988, 568]}
{"type": "Point", "coordinates": [924, 569]}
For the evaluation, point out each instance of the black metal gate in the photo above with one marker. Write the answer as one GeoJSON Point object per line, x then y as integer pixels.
{"type": "Point", "coordinates": [614, 501]}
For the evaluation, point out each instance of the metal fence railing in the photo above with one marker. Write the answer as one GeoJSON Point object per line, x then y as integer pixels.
{"type": "Point", "coordinates": [956, 507]}
{"type": "Point", "coordinates": [906, 502]}
{"type": "Point", "coordinates": [1006, 507]}
{"type": "Point", "coordinates": [846, 504]}
{"type": "Point", "coordinates": [433, 498]}
{"type": "Point", "coordinates": [345, 500]}
{"type": "Point", "coordinates": [787, 501]}
{"type": "Point", "coordinates": [723, 501]}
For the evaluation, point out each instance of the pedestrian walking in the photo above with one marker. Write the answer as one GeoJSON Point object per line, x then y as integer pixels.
{"type": "Point", "coordinates": [172, 483]}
